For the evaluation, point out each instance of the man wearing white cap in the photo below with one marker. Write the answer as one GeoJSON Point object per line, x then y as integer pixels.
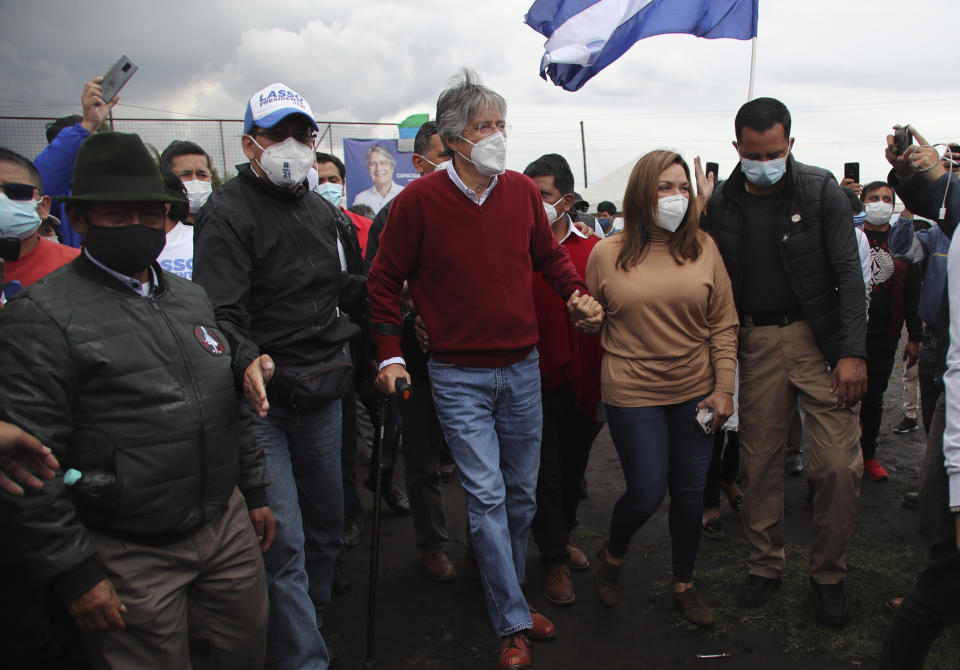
{"type": "Point", "coordinates": [266, 251]}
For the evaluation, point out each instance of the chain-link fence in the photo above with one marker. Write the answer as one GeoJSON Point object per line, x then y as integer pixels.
{"type": "Point", "coordinates": [219, 137]}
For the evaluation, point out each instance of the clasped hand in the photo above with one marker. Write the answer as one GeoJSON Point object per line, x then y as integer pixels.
{"type": "Point", "coordinates": [585, 312]}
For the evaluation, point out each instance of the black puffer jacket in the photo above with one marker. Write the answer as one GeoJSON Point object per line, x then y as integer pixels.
{"type": "Point", "coordinates": [268, 259]}
{"type": "Point", "coordinates": [818, 249]}
{"type": "Point", "coordinates": [139, 387]}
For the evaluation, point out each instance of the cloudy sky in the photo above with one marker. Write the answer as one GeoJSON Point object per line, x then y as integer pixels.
{"type": "Point", "coordinates": [847, 69]}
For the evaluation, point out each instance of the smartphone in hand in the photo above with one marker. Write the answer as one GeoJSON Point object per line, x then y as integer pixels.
{"type": "Point", "coordinates": [116, 77]}
{"type": "Point", "coordinates": [852, 171]}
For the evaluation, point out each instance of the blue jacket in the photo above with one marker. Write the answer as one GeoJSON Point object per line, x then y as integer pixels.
{"type": "Point", "coordinates": [55, 165]}
{"type": "Point", "coordinates": [930, 245]}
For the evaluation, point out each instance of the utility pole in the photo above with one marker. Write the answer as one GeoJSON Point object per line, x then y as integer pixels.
{"type": "Point", "coordinates": [583, 146]}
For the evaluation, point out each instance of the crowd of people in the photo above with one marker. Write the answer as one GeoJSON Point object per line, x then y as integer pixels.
{"type": "Point", "coordinates": [188, 368]}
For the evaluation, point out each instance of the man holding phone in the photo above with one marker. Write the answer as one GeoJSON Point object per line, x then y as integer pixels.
{"type": "Point", "coordinates": [55, 162]}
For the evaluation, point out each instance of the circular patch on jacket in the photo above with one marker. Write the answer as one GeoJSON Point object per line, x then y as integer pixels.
{"type": "Point", "coordinates": [209, 340]}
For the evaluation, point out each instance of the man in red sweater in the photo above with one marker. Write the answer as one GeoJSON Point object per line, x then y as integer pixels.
{"type": "Point", "coordinates": [468, 239]}
{"type": "Point", "coordinates": [570, 391]}
{"type": "Point", "coordinates": [23, 206]}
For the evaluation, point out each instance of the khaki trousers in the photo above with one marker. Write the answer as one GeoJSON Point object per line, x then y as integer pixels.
{"type": "Point", "coordinates": [209, 586]}
{"type": "Point", "coordinates": [778, 365]}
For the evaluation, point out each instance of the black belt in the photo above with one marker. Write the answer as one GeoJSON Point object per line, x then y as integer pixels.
{"type": "Point", "coordinates": [775, 318]}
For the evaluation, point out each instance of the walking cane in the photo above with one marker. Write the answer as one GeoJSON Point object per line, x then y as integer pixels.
{"type": "Point", "coordinates": [384, 457]}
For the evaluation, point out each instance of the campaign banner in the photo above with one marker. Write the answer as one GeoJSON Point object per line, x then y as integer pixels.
{"type": "Point", "coordinates": [376, 172]}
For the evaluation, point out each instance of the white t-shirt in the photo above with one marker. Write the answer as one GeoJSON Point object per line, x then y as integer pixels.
{"type": "Point", "coordinates": [177, 255]}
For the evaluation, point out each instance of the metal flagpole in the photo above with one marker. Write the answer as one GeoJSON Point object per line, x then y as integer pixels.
{"type": "Point", "coordinates": [753, 66]}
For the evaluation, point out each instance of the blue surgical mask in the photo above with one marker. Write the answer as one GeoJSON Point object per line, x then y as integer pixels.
{"type": "Point", "coordinates": [764, 173]}
{"type": "Point", "coordinates": [333, 193]}
{"type": "Point", "coordinates": [605, 223]}
{"type": "Point", "coordinates": [18, 218]}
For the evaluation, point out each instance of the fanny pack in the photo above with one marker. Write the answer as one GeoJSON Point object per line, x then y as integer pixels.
{"type": "Point", "coordinates": [314, 385]}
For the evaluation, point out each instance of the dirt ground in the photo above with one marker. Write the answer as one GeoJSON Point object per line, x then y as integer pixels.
{"type": "Point", "coordinates": [422, 624]}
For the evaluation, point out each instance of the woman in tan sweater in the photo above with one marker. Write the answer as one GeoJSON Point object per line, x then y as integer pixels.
{"type": "Point", "coordinates": [670, 349]}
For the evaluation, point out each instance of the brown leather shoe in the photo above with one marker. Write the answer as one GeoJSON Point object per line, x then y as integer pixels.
{"type": "Point", "coordinates": [543, 628]}
{"type": "Point", "coordinates": [438, 566]}
{"type": "Point", "coordinates": [515, 652]}
{"type": "Point", "coordinates": [694, 609]}
{"type": "Point", "coordinates": [559, 588]}
{"type": "Point", "coordinates": [578, 559]}
{"type": "Point", "coordinates": [605, 578]}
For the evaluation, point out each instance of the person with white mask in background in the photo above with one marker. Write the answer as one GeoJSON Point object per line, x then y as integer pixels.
{"type": "Point", "coordinates": [266, 251]}
{"type": "Point", "coordinates": [193, 167]}
{"type": "Point", "coordinates": [23, 207]}
{"type": "Point", "coordinates": [894, 300]}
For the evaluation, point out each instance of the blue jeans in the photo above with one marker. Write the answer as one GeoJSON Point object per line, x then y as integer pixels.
{"type": "Point", "coordinates": [661, 447]}
{"type": "Point", "coordinates": [302, 450]}
{"type": "Point", "coordinates": [491, 418]}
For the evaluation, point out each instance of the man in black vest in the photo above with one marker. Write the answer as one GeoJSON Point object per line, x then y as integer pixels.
{"type": "Point", "coordinates": [785, 234]}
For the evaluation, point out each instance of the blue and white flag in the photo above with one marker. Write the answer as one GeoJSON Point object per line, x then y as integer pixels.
{"type": "Point", "coordinates": [585, 36]}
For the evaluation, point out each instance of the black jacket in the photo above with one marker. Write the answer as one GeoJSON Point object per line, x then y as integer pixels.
{"type": "Point", "coordinates": [818, 249]}
{"type": "Point", "coordinates": [138, 387]}
{"type": "Point", "coordinates": [268, 259]}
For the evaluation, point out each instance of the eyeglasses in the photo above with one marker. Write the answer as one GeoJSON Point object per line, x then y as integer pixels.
{"type": "Point", "coordinates": [307, 136]}
{"type": "Point", "coordinates": [486, 127]}
{"type": "Point", "coordinates": [15, 191]}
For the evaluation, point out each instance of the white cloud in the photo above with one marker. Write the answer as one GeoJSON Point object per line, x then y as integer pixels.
{"type": "Point", "coordinates": [846, 70]}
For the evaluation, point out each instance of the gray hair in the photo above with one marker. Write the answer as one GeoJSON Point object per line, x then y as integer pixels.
{"type": "Point", "coordinates": [461, 100]}
{"type": "Point", "coordinates": [379, 148]}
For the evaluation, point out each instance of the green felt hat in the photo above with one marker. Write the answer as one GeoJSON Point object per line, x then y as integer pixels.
{"type": "Point", "coordinates": [116, 167]}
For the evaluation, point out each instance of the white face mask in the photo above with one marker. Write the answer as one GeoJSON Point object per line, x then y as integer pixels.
{"type": "Point", "coordinates": [442, 165]}
{"type": "Point", "coordinates": [286, 163]}
{"type": "Point", "coordinates": [670, 211]}
{"type": "Point", "coordinates": [197, 193]}
{"type": "Point", "coordinates": [878, 213]}
{"type": "Point", "coordinates": [489, 155]}
{"type": "Point", "coordinates": [551, 210]}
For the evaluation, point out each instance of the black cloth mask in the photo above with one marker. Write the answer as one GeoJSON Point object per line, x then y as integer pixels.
{"type": "Point", "coordinates": [125, 249]}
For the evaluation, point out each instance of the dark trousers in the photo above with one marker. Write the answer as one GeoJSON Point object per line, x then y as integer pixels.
{"type": "Point", "coordinates": [564, 452]}
{"type": "Point", "coordinates": [934, 599]}
{"type": "Point", "coordinates": [724, 466]}
{"type": "Point", "coordinates": [352, 508]}
{"type": "Point", "coordinates": [36, 632]}
{"type": "Point", "coordinates": [931, 387]}
{"type": "Point", "coordinates": [422, 443]}
{"type": "Point", "coordinates": [880, 355]}
{"type": "Point", "coordinates": [661, 448]}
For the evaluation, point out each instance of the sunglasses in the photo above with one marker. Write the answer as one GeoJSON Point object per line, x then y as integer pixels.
{"type": "Point", "coordinates": [15, 191]}
{"type": "Point", "coordinates": [280, 134]}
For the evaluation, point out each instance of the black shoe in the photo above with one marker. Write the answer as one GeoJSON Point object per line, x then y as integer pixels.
{"type": "Point", "coordinates": [396, 499]}
{"type": "Point", "coordinates": [712, 528]}
{"type": "Point", "coordinates": [831, 606]}
{"type": "Point", "coordinates": [341, 579]}
{"type": "Point", "coordinates": [907, 425]}
{"type": "Point", "coordinates": [352, 528]}
{"type": "Point", "coordinates": [755, 590]}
